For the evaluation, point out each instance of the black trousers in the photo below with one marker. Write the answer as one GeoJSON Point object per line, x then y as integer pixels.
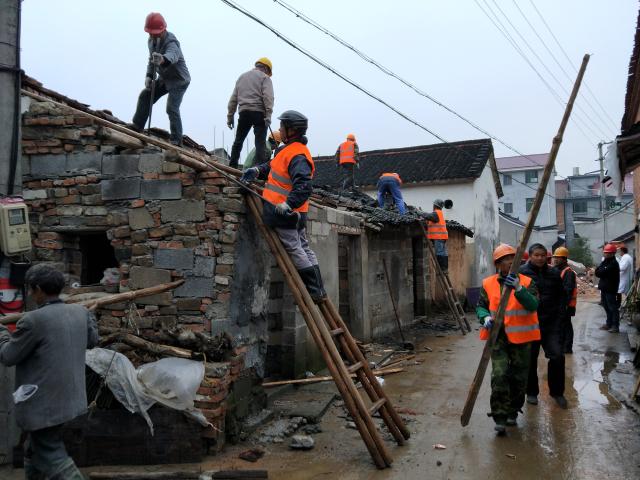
{"type": "Point", "coordinates": [611, 306]}
{"type": "Point", "coordinates": [552, 344]}
{"type": "Point", "coordinates": [246, 120]}
{"type": "Point", "coordinates": [348, 175]}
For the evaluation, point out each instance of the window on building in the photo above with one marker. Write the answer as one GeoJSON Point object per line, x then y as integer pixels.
{"type": "Point", "coordinates": [508, 208]}
{"type": "Point", "coordinates": [531, 176]}
{"type": "Point", "coordinates": [529, 204]}
{"type": "Point", "coordinates": [579, 207]}
{"type": "Point", "coordinates": [506, 179]}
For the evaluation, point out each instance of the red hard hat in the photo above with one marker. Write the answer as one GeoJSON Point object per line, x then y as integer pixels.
{"type": "Point", "coordinates": [155, 24]}
{"type": "Point", "coordinates": [525, 255]}
{"type": "Point", "coordinates": [610, 248]}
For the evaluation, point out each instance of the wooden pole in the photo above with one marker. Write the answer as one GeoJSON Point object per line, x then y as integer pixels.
{"type": "Point", "coordinates": [115, 298]}
{"type": "Point", "coordinates": [499, 318]}
{"type": "Point", "coordinates": [327, 378]}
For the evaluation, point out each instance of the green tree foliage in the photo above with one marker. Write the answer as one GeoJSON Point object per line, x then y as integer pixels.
{"type": "Point", "coordinates": [580, 252]}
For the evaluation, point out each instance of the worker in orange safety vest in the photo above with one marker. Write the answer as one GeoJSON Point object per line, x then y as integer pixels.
{"type": "Point", "coordinates": [569, 281]}
{"type": "Point", "coordinates": [347, 160]}
{"type": "Point", "coordinates": [389, 183]}
{"type": "Point", "coordinates": [511, 353]}
{"type": "Point", "coordinates": [437, 233]}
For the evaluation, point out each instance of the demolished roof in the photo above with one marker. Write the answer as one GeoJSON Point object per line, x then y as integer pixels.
{"type": "Point", "coordinates": [455, 162]}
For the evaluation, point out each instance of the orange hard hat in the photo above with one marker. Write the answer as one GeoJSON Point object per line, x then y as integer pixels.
{"type": "Point", "coordinates": [561, 252]}
{"type": "Point", "coordinates": [276, 136]}
{"type": "Point", "coordinates": [503, 250]}
{"type": "Point", "coordinates": [351, 137]}
{"type": "Point", "coordinates": [610, 248]}
{"type": "Point", "coordinates": [155, 24]}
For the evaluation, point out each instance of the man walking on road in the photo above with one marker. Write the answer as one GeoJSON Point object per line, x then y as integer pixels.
{"type": "Point", "coordinates": [347, 159]}
{"type": "Point", "coordinates": [609, 274]}
{"type": "Point", "coordinates": [48, 351]}
{"type": "Point", "coordinates": [286, 198]}
{"type": "Point", "coordinates": [551, 315]}
{"type": "Point", "coordinates": [511, 353]}
{"type": "Point", "coordinates": [253, 98]}
{"type": "Point", "coordinates": [569, 281]}
{"type": "Point", "coordinates": [165, 58]}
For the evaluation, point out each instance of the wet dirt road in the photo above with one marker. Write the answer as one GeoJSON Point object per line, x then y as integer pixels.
{"type": "Point", "coordinates": [596, 438]}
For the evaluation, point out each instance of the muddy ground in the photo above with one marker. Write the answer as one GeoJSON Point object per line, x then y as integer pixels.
{"type": "Point", "coordinates": [597, 437]}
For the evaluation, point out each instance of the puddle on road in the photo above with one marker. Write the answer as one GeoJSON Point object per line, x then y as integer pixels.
{"type": "Point", "coordinates": [595, 389]}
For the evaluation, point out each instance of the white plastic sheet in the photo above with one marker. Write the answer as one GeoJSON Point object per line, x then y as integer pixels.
{"type": "Point", "coordinates": [172, 382]}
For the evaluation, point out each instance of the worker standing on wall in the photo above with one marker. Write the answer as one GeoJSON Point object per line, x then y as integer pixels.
{"type": "Point", "coordinates": [165, 57]}
{"type": "Point", "coordinates": [511, 353]}
{"type": "Point", "coordinates": [48, 351]}
{"type": "Point", "coordinates": [347, 160]}
{"type": "Point", "coordinates": [437, 233]}
{"type": "Point", "coordinates": [253, 98]}
{"type": "Point", "coordinates": [609, 274]}
{"type": "Point", "coordinates": [389, 183]}
{"type": "Point", "coordinates": [286, 198]}
{"type": "Point", "coordinates": [569, 280]}
{"type": "Point", "coordinates": [272, 143]}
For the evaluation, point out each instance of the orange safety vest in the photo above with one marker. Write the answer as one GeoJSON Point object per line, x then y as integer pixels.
{"type": "Point", "coordinates": [279, 183]}
{"type": "Point", "coordinates": [392, 175]}
{"type": "Point", "coordinates": [437, 230]}
{"type": "Point", "coordinates": [574, 294]}
{"type": "Point", "coordinates": [347, 152]}
{"type": "Point", "coordinates": [520, 325]}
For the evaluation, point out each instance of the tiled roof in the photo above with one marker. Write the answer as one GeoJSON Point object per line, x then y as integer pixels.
{"type": "Point", "coordinates": [424, 164]}
{"type": "Point", "coordinates": [529, 162]}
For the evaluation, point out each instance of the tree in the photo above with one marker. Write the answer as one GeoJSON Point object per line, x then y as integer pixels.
{"type": "Point", "coordinates": [580, 251]}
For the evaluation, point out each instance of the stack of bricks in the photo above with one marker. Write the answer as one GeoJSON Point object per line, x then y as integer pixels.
{"type": "Point", "coordinates": [164, 221]}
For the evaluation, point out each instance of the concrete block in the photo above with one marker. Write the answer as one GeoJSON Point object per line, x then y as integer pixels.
{"type": "Point", "coordinates": [332, 216]}
{"type": "Point", "coordinates": [48, 165]}
{"type": "Point", "coordinates": [95, 211]}
{"type": "Point", "coordinates": [195, 287]}
{"type": "Point", "coordinates": [174, 258]}
{"type": "Point", "coordinates": [121, 165]}
{"type": "Point", "coordinates": [182, 210]}
{"type": "Point", "coordinates": [159, 299]}
{"type": "Point", "coordinates": [143, 277]}
{"type": "Point", "coordinates": [205, 266]}
{"type": "Point", "coordinates": [84, 162]}
{"type": "Point", "coordinates": [70, 211]}
{"type": "Point", "coordinates": [233, 205]}
{"type": "Point", "coordinates": [26, 165]}
{"type": "Point", "coordinates": [34, 194]}
{"type": "Point", "coordinates": [161, 189]}
{"type": "Point", "coordinates": [151, 163]}
{"type": "Point", "coordinates": [140, 218]}
{"type": "Point", "coordinates": [121, 189]}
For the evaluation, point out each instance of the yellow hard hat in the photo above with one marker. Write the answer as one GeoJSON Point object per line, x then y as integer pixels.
{"type": "Point", "coordinates": [266, 62]}
{"type": "Point", "coordinates": [351, 137]}
{"type": "Point", "coordinates": [561, 252]}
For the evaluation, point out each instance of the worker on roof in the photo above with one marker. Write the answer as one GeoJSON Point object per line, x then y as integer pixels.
{"type": "Point", "coordinates": [570, 283]}
{"type": "Point", "coordinates": [286, 198]}
{"type": "Point", "coordinates": [253, 98]}
{"type": "Point", "coordinates": [437, 233]}
{"type": "Point", "coordinates": [609, 274]}
{"type": "Point", "coordinates": [551, 315]}
{"type": "Point", "coordinates": [165, 59]}
{"type": "Point", "coordinates": [347, 160]}
{"type": "Point", "coordinates": [48, 350]}
{"type": "Point", "coordinates": [272, 144]}
{"type": "Point", "coordinates": [389, 183]}
{"type": "Point", "coordinates": [511, 353]}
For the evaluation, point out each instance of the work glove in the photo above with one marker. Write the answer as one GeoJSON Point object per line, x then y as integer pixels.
{"type": "Point", "coordinates": [147, 83]}
{"type": "Point", "coordinates": [249, 175]}
{"type": "Point", "coordinates": [267, 122]}
{"type": "Point", "coordinates": [157, 58]}
{"type": "Point", "coordinates": [283, 209]}
{"type": "Point", "coordinates": [230, 122]}
{"type": "Point", "coordinates": [513, 281]}
{"type": "Point", "coordinates": [488, 322]}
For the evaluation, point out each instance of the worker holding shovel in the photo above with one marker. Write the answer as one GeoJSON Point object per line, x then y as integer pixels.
{"type": "Point", "coordinates": [512, 351]}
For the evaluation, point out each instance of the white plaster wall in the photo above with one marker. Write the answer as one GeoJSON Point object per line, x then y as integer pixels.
{"type": "Point", "coordinates": [511, 233]}
{"type": "Point", "coordinates": [618, 223]}
{"type": "Point", "coordinates": [517, 193]}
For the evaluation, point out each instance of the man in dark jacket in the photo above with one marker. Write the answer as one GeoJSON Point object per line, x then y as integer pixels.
{"type": "Point", "coordinates": [286, 198]}
{"type": "Point", "coordinates": [48, 351]}
{"type": "Point", "coordinates": [551, 314]}
{"type": "Point", "coordinates": [569, 281]}
{"type": "Point", "coordinates": [609, 274]}
{"type": "Point", "coordinates": [165, 58]}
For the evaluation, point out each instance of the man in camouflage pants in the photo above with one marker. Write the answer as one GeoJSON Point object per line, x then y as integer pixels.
{"type": "Point", "coordinates": [511, 353]}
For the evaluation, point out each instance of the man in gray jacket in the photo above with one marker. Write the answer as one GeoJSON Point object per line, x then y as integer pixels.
{"type": "Point", "coordinates": [253, 98]}
{"type": "Point", "coordinates": [165, 58]}
{"type": "Point", "coordinates": [48, 351]}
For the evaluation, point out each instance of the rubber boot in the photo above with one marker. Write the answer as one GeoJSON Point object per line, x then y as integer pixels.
{"type": "Point", "coordinates": [323, 292]}
{"type": "Point", "coordinates": [67, 471]}
{"type": "Point", "coordinates": [310, 280]}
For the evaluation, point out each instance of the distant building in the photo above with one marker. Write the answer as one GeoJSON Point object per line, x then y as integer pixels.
{"type": "Point", "coordinates": [520, 177]}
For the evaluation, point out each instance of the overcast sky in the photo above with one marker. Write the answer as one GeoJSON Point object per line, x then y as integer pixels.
{"type": "Point", "coordinates": [96, 52]}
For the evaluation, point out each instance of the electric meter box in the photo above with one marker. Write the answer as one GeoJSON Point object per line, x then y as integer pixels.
{"type": "Point", "coordinates": [15, 235]}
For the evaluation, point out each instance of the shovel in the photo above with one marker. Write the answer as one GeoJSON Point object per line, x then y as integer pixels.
{"type": "Point", "coordinates": [405, 344]}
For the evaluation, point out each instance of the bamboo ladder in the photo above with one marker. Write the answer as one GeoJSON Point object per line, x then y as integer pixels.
{"type": "Point", "coordinates": [328, 331]}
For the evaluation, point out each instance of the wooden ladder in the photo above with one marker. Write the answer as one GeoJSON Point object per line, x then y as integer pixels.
{"type": "Point", "coordinates": [445, 284]}
{"type": "Point", "coordinates": [329, 332]}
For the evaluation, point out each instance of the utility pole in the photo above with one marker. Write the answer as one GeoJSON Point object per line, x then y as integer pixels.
{"type": "Point", "coordinates": [603, 195]}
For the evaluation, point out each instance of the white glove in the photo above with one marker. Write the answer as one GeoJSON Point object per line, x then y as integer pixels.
{"type": "Point", "coordinates": [147, 83]}
{"type": "Point", "coordinates": [283, 209]}
{"type": "Point", "coordinates": [488, 322]}
{"type": "Point", "coordinates": [157, 58]}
